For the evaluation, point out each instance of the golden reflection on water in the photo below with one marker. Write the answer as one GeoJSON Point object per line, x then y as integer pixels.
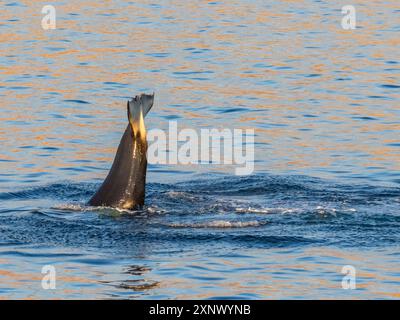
{"type": "Point", "coordinates": [284, 274]}
{"type": "Point", "coordinates": [279, 61]}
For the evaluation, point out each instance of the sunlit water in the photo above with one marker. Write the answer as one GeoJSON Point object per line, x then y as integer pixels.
{"type": "Point", "coordinates": [324, 103]}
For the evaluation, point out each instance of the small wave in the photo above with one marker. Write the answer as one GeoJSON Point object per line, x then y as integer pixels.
{"type": "Point", "coordinates": [71, 207]}
{"type": "Point", "coordinates": [219, 224]}
{"type": "Point", "coordinates": [250, 185]}
{"type": "Point", "coordinates": [294, 186]}
{"type": "Point", "coordinates": [64, 190]}
{"type": "Point", "coordinates": [85, 208]}
{"type": "Point", "coordinates": [266, 210]}
{"type": "Point", "coordinates": [181, 195]}
{"type": "Point", "coordinates": [331, 211]}
{"type": "Point", "coordinates": [76, 101]}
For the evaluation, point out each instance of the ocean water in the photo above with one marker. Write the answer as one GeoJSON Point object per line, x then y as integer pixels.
{"type": "Point", "coordinates": [325, 192]}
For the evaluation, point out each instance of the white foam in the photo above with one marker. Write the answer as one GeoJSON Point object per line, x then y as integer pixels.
{"type": "Point", "coordinates": [71, 207]}
{"type": "Point", "coordinates": [180, 195]}
{"type": "Point", "coordinates": [265, 210]}
{"type": "Point", "coordinates": [219, 224]}
{"type": "Point", "coordinates": [85, 208]}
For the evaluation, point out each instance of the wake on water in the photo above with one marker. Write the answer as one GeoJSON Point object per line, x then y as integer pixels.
{"type": "Point", "coordinates": [259, 210]}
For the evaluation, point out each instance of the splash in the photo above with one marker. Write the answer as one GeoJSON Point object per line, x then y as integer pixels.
{"type": "Point", "coordinates": [219, 224]}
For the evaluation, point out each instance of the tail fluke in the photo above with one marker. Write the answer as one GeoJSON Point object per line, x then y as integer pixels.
{"type": "Point", "coordinates": [138, 108]}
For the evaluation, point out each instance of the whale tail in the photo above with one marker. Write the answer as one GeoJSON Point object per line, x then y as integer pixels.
{"type": "Point", "coordinates": [124, 186]}
{"type": "Point", "coordinates": [137, 108]}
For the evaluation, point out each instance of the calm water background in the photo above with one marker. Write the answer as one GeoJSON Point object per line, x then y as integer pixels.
{"type": "Point", "coordinates": [324, 103]}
